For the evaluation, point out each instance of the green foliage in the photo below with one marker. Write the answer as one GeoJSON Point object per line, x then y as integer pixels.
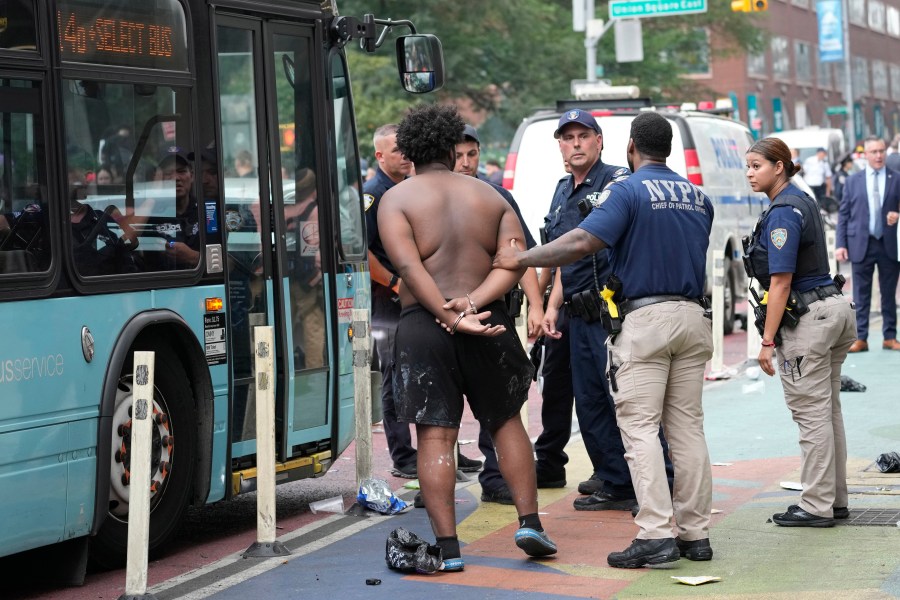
{"type": "Point", "coordinates": [508, 57]}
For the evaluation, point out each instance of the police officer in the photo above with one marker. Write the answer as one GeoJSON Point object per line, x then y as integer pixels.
{"type": "Point", "coordinates": [468, 155]}
{"type": "Point", "coordinates": [580, 142]}
{"type": "Point", "coordinates": [393, 168]}
{"type": "Point", "coordinates": [657, 226]}
{"type": "Point", "coordinates": [788, 256]}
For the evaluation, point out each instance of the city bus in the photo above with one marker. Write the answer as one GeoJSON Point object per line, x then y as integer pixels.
{"type": "Point", "coordinates": [148, 202]}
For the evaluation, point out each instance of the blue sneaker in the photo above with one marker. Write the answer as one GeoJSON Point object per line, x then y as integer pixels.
{"type": "Point", "coordinates": [534, 543]}
{"type": "Point", "coordinates": [453, 565]}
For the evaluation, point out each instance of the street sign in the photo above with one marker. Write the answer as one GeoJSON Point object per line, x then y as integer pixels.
{"type": "Point", "coordinates": [836, 110]}
{"type": "Point", "coordinates": [633, 9]}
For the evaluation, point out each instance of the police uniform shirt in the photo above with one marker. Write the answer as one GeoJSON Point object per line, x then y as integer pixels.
{"type": "Point", "coordinates": [373, 190]}
{"type": "Point", "coordinates": [565, 216]}
{"type": "Point", "coordinates": [529, 239]}
{"type": "Point", "coordinates": [782, 234]}
{"type": "Point", "coordinates": [657, 226]}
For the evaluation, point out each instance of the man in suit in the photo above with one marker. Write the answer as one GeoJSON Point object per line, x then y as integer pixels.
{"type": "Point", "coordinates": [867, 237]}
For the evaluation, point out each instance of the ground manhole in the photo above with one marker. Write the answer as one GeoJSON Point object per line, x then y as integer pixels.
{"type": "Point", "coordinates": [884, 517]}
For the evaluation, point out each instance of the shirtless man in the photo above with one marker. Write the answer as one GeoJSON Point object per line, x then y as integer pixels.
{"type": "Point", "coordinates": [440, 230]}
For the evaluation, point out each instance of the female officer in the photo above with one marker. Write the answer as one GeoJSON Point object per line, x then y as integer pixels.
{"type": "Point", "coordinates": [788, 254]}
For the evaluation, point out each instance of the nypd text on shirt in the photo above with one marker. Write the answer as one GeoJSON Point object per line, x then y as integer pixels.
{"type": "Point", "coordinates": [677, 195]}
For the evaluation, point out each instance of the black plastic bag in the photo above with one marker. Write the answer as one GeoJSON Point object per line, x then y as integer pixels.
{"type": "Point", "coordinates": [889, 462]}
{"type": "Point", "coordinates": [405, 551]}
{"type": "Point", "coordinates": [851, 385]}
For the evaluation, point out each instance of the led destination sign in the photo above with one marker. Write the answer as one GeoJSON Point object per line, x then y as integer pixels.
{"type": "Point", "coordinates": [127, 34]}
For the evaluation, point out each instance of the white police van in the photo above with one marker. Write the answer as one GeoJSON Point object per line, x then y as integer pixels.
{"type": "Point", "coordinates": [707, 149]}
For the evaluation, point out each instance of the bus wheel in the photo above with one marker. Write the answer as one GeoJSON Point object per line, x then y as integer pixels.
{"type": "Point", "coordinates": [729, 299]}
{"type": "Point", "coordinates": [173, 454]}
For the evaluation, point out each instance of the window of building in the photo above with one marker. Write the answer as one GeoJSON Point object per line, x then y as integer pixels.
{"type": "Point", "coordinates": [840, 76]}
{"type": "Point", "coordinates": [823, 71]}
{"type": "Point", "coordinates": [876, 15]}
{"type": "Point", "coordinates": [879, 78]}
{"type": "Point", "coordinates": [858, 12]}
{"type": "Point", "coordinates": [756, 64]}
{"type": "Point", "coordinates": [781, 58]}
{"type": "Point", "coordinates": [895, 81]}
{"type": "Point", "coordinates": [803, 61]}
{"type": "Point", "coordinates": [892, 21]}
{"type": "Point", "coordinates": [861, 76]}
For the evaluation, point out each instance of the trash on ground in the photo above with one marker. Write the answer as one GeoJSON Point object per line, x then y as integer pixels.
{"type": "Point", "coordinates": [716, 511]}
{"type": "Point", "coordinates": [753, 373]}
{"type": "Point", "coordinates": [408, 553]}
{"type": "Point", "coordinates": [328, 505]}
{"type": "Point", "coordinates": [791, 485]}
{"type": "Point", "coordinates": [757, 387]}
{"type": "Point", "coordinates": [722, 464]}
{"type": "Point", "coordinates": [463, 442]}
{"type": "Point", "coordinates": [889, 462]}
{"type": "Point", "coordinates": [375, 494]}
{"type": "Point", "coordinates": [851, 385]}
{"type": "Point", "coordinates": [412, 485]}
{"type": "Point", "coordinates": [698, 580]}
{"type": "Point", "coordinates": [373, 582]}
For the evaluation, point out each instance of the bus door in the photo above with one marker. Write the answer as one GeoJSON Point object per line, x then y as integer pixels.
{"type": "Point", "coordinates": [277, 275]}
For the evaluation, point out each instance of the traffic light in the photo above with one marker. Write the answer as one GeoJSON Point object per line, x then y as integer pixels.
{"type": "Point", "coordinates": [749, 5]}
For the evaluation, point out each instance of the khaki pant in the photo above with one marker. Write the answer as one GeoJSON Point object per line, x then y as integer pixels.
{"type": "Point", "coordinates": [810, 359]}
{"type": "Point", "coordinates": [658, 361]}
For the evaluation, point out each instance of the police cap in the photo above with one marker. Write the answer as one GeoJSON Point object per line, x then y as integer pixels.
{"type": "Point", "coordinates": [576, 116]}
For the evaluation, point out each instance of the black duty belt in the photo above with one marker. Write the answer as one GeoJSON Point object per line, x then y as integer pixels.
{"type": "Point", "coordinates": [819, 293]}
{"type": "Point", "coordinates": [632, 305]}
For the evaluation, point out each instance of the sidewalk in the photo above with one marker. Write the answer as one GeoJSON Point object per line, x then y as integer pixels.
{"type": "Point", "coordinates": [753, 444]}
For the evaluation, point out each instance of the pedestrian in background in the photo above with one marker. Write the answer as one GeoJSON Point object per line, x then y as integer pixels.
{"type": "Point", "coordinates": [817, 174]}
{"type": "Point", "coordinates": [658, 238]}
{"type": "Point", "coordinates": [468, 155]}
{"type": "Point", "coordinates": [840, 177]}
{"type": "Point", "coordinates": [441, 229]}
{"type": "Point", "coordinates": [493, 171]}
{"type": "Point", "coordinates": [867, 237]}
{"type": "Point", "coordinates": [789, 256]}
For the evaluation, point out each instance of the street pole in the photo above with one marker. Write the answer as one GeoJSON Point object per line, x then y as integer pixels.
{"type": "Point", "coordinates": [848, 76]}
{"type": "Point", "coordinates": [590, 42]}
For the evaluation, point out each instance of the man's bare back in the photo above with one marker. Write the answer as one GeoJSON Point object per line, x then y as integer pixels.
{"type": "Point", "coordinates": [454, 223]}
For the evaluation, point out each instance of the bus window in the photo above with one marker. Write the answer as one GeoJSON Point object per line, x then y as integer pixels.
{"type": "Point", "coordinates": [130, 178]}
{"type": "Point", "coordinates": [350, 211]}
{"type": "Point", "coordinates": [18, 25]}
{"type": "Point", "coordinates": [24, 243]}
{"type": "Point", "coordinates": [294, 101]}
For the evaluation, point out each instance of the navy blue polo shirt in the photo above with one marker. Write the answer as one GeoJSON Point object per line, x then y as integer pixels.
{"type": "Point", "coordinates": [529, 239]}
{"type": "Point", "coordinates": [656, 224]}
{"type": "Point", "coordinates": [588, 272]}
{"type": "Point", "coordinates": [373, 190]}
{"type": "Point", "coordinates": [782, 231]}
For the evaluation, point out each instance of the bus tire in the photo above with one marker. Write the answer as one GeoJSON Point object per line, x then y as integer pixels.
{"type": "Point", "coordinates": [729, 297]}
{"type": "Point", "coordinates": [173, 398]}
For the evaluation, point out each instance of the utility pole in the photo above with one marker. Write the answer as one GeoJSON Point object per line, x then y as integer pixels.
{"type": "Point", "coordinates": [848, 76]}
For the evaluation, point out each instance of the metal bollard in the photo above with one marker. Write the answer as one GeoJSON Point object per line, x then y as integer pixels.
{"type": "Point", "coordinates": [266, 545]}
{"type": "Point", "coordinates": [717, 363]}
{"type": "Point", "coordinates": [360, 333]}
{"type": "Point", "coordinates": [753, 338]}
{"type": "Point", "coordinates": [139, 498]}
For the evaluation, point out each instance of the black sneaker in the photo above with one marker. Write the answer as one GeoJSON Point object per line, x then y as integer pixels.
{"type": "Point", "coordinates": [406, 472]}
{"type": "Point", "coordinates": [591, 486]}
{"type": "Point", "coordinates": [501, 495]}
{"type": "Point", "coordinates": [695, 549]}
{"type": "Point", "coordinates": [841, 513]}
{"type": "Point", "coordinates": [468, 465]}
{"type": "Point", "coordinates": [644, 552]}
{"type": "Point", "coordinates": [547, 480]}
{"type": "Point", "coordinates": [604, 501]}
{"type": "Point", "coordinates": [797, 517]}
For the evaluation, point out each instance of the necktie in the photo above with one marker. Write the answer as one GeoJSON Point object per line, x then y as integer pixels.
{"type": "Point", "coordinates": [876, 207]}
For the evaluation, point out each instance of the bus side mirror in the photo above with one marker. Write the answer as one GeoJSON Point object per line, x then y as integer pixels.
{"type": "Point", "coordinates": [420, 61]}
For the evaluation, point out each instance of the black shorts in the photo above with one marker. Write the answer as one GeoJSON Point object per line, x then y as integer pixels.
{"type": "Point", "coordinates": [433, 370]}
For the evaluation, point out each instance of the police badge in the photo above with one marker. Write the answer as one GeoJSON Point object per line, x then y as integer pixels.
{"type": "Point", "coordinates": [368, 201]}
{"type": "Point", "coordinates": [779, 237]}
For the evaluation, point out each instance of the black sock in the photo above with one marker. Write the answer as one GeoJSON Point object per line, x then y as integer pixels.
{"type": "Point", "coordinates": [449, 546]}
{"type": "Point", "coordinates": [532, 521]}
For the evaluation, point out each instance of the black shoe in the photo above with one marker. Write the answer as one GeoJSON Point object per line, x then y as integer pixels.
{"type": "Point", "coordinates": [841, 513]}
{"type": "Point", "coordinates": [417, 501]}
{"type": "Point", "coordinates": [591, 486]}
{"type": "Point", "coordinates": [468, 465]}
{"type": "Point", "coordinates": [797, 517]}
{"type": "Point", "coordinates": [501, 495]}
{"type": "Point", "coordinates": [645, 552]}
{"type": "Point", "coordinates": [635, 510]}
{"type": "Point", "coordinates": [551, 480]}
{"type": "Point", "coordinates": [406, 472]}
{"type": "Point", "coordinates": [695, 550]}
{"type": "Point", "coordinates": [604, 501]}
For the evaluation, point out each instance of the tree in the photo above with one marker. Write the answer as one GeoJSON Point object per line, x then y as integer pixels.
{"type": "Point", "coordinates": [508, 57]}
